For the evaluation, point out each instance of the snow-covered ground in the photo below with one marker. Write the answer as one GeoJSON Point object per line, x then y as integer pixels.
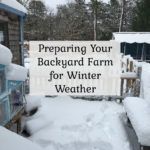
{"type": "Point", "coordinates": [63, 123]}
{"type": "Point", "coordinates": [139, 114]}
{"type": "Point", "coordinates": [12, 141]}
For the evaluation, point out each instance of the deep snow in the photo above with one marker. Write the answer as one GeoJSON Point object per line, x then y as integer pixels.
{"type": "Point", "coordinates": [139, 114]}
{"type": "Point", "coordinates": [64, 123]}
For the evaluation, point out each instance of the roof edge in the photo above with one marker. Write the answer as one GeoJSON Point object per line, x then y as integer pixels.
{"type": "Point", "coordinates": [12, 10]}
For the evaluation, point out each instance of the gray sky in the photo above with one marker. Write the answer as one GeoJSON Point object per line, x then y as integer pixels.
{"type": "Point", "coordinates": [53, 3]}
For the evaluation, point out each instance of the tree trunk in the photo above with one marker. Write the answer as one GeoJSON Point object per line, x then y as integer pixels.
{"type": "Point", "coordinates": [95, 20]}
{"type": "Point", "coordinates": [122, 16]}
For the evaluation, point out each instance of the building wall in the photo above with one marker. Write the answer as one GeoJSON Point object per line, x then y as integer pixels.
{"type": "Point", "coordinates": [14, 38]}
{"type": "Point", "coordinates": [10, 24]}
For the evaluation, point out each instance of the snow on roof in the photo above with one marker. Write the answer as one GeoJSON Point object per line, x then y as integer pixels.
{"type": "Point", "coordinates": [5, 55]}
{"type": "Point", "coordinates": [16, 73]}
{"type": "Point", "coordinates": [139, 114]}
{"type": "Point", "coordinates": [10, 140]}
{"type": "Point", "coordinates": [132, 37]}
{"type": "Point", "coordinates": [14, 4]}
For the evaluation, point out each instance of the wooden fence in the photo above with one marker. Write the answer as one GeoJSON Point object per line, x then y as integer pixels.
{"type": "Point", "coordinates": [130, 77]}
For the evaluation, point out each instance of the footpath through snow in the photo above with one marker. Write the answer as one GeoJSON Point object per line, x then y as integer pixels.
{"type": "Point", "coordinates": [63, 123]}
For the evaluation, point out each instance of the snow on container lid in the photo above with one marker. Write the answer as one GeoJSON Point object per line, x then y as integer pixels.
{"type": "Point", "coordinates": [16, 73]}
{"type": "Point", "coordinates": [14, 4]}
{"type": "Point", "coordinates": [138, 111]}
{"type": "Point", "coordinates": [5, 55]}
{"type": "Point", "coordinates": [12, 141]}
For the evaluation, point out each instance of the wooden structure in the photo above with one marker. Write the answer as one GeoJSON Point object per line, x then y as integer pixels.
{"type": "Point", "coordinates": [11, 92]}
{"type": "Point", "coordinates": [12, 15]}
{"type": "Point", "coordinates": [136, 44]}
{"type": "Point", "coordinates": [130, 77]}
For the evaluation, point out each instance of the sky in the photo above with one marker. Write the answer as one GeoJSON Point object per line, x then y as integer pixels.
{"type": "Point", "coordinates": [53, 3]}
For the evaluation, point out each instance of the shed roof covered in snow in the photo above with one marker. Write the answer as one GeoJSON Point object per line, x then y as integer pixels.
{"type": "Point", "coordinates": [132, 37]}
{"type": "Point", "coordinates": [13, 6]}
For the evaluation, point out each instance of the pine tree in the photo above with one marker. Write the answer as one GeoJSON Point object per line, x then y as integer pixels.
{"type": "Point", "coordinates": [35, 22]}
{"type": "Point", "coordinates": [141, 20]}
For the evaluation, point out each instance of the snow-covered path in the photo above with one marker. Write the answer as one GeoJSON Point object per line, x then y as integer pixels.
{"type": "Point", "coordinates": [63, 123]}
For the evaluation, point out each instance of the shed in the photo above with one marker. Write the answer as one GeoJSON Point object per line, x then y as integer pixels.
{"type": "Point", "coordinates": [12, 76]}
{"type": "Point", "coordinates": [12, 15]}
{"type": "Point", "coordinates": [12, 79]}
{"type": "Point", "coordinates": [136, 44]}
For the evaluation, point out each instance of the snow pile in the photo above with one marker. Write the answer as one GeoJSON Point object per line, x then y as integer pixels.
{"type": "Point", "coordinates": [16, 72]}
{"type": "Point", "coordinates": [33, 101]}
{"type": "Point", "coordinates": [11, 141]}
{"type": "Point", "coordinates": [138, 112]}
{"type": "Point", "coordinates": [14, 4]}
{"type": "Point", "coordinates": [145, 81]}
{"type": "Point", "coordinates": [67, 124]}
{"type": "Point", "coordinates": [5, 55]}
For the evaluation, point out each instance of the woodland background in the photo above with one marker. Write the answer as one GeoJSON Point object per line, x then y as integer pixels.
{"type": "Point", "coordinates": [79, 20]}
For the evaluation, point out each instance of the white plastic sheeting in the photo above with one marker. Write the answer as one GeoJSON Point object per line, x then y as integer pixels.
{"type": "Point", "coordinates": [132, 37]}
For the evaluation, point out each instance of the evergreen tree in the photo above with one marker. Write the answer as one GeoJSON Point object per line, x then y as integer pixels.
{"type": "Point", "coordinates": [72, 22]}
{"type": "Point", "coordinates": [141, 21]}
{"type": "Point", "coordinates": [35, 22]}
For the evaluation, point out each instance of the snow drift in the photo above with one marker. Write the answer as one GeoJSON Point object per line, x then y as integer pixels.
{"type": "Point", "coordinates": [139, 114]}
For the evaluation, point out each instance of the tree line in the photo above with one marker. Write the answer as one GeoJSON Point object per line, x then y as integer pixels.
{"type": "Point", "coordinates": [79, 20]}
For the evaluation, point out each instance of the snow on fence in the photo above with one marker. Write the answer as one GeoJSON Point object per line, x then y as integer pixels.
{"type": "Point", "coordinates": [130, 77]}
